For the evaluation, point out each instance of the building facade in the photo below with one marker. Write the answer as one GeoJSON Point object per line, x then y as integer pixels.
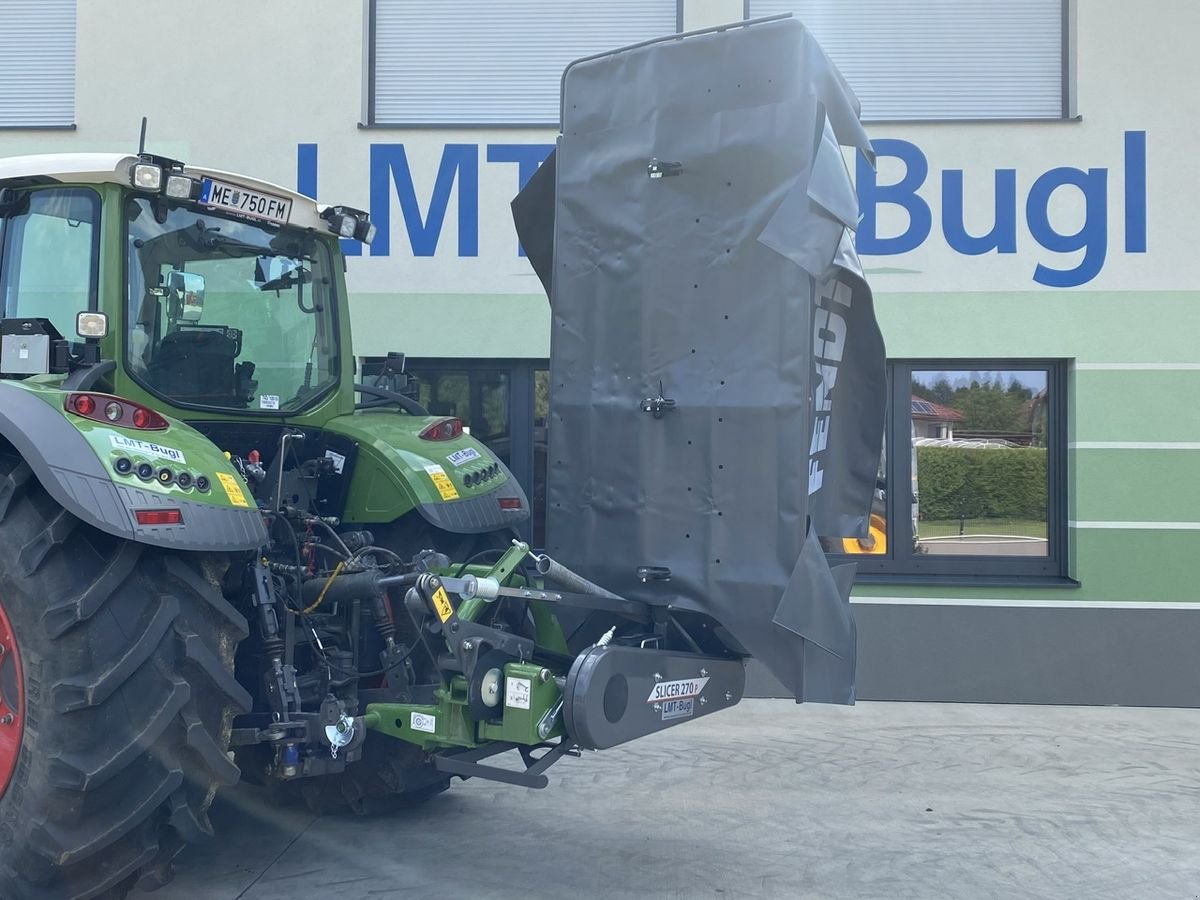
{"type": "Point", "coordinates": [1025, 231]}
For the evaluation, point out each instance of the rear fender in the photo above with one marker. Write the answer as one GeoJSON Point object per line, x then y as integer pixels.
{"type": "Point", "coordinates": [397, 471]}
{"type": "Point", "coordinates": [75, 470]}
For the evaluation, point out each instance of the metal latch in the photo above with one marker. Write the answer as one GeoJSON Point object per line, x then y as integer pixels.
{"type": "Point", "coordinates": [658, 168]}
{"type": "Point", "coordinates": [656, 406]}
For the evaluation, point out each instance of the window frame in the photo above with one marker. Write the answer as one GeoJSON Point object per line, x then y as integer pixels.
{"type": "Point", "coordinates": [369, 119]}
{"type": "Point", "coordinates": [900, 564]}
{"type": "Point", "coordinates": [1068, 110]}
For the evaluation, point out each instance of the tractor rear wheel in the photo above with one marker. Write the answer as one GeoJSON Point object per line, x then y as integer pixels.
{"type": "Point", "coordinates": [116, 700]}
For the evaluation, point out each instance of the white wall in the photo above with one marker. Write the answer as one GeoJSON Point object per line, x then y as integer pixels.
{"type": "Point", "coordinates": [239, 85]}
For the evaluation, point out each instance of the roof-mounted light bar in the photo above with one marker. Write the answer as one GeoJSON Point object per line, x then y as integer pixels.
{"type": "Point", "coordinates": [159, 175]}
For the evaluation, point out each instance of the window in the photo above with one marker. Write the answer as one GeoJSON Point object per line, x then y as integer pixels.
{"type": "Point", "coordinates": [492, 62]}
{"type": "Point", "coordinates": [943, 59]}
{"type": "Point", "coordinates": [219, 318]}
{"type": "Point", "coordinates": [37, 63]}
{"type": "Point", "coordinates": [983, 461]}
{"type": "Point", "coordinates": [50, 258]}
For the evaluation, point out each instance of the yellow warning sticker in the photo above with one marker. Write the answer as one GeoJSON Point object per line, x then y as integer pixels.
{"type": "Point", "coordinates": [232, 489]}
{"type": "Point", "coordinates": [442, 482]}
{"type": "Point", "coordinates": [442, 604]}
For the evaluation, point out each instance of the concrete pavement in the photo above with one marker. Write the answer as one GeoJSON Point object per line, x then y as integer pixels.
{"type": "Point", "coordinates": [770, 800]}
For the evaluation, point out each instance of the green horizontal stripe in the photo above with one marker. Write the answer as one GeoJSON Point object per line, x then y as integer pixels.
{"type": "Point", "coordinates": [1117, 566]}
{"type": "Point", "coordinates": [452, 325]}
{"type": "Point", "coordinates": [1153, 405]}
{"type": "Point", "coordinates": [1101, 326]}
{"type": "Point", "coordinates": [1136, 485]}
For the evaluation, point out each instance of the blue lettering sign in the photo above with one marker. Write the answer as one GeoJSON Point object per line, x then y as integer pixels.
{"type": "Point", "coordinates": [458, 172]}
{"type": "Point", "coordinates": [1135, 192]}
{"type": "Point", "coordinates": [903, 194]}
{"type": "Point", "coordinates": [1091, 238]}
{"type": "Point", "coordinates": [389, 165]}
{"type": "Point", "coordinates": [1002, 237]}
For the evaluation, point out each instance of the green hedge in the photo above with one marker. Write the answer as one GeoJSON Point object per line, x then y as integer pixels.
{"type": "Point", "coordinates": [1001, 483]}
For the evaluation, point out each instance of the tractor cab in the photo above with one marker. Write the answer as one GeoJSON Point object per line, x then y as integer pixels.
{"type": "Point", "coordinates": [225, 296]}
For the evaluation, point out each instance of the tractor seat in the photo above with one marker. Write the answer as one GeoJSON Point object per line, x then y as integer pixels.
{"type": "Point", "coordinates": [195, 364]}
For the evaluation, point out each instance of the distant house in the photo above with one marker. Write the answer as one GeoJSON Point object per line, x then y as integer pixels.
{"type": "Point", "coordinates": [932, 420]}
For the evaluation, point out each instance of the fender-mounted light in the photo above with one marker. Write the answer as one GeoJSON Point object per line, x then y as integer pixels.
{"type": "Point", "coordinates": [91, 324]}
{"type": "Point", "coordinates": [510, 503]}
{"type": "Point", "coordinates": [114, 411]}
{"type": "Point", "coordinates": [443, 430]}
{"type": "Point", "coordinates": [169, 516]}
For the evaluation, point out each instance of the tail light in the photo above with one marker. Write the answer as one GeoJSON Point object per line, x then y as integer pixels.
{"type": "Point", "coordinates": [169, 516]}
{"type": "Point", "coordinates": [510, 503]}
{"type": "Point", "coordinates": [114, 411]}
{"type": "Point", "coordinates": [443, 430]}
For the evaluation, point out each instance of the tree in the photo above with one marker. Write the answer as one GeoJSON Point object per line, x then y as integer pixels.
{"type": "Point", "coordinates": [919, 390]}
{"type": "Point", "coordinates": [942, 392]}
{"type": "Point", "coordinates": [989, 408]}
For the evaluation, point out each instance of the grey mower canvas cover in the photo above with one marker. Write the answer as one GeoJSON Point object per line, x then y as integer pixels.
{"type": "Point", "coordinates": [717, 375]}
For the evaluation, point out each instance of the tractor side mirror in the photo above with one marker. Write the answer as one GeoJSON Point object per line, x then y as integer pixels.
{"type": "Point", "coordinates": [185, 296]}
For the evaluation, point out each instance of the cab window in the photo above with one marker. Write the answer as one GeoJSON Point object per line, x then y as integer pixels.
{"type": "Point", "coordinates": [50, 258]}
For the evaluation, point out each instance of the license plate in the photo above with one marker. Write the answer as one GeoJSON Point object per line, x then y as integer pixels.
{"type": "Point", "coordinates": [244, 201]}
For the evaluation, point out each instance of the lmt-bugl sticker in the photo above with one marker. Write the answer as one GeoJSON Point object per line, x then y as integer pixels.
{"type": "Point", "coordinates": [677, 709]}
{"type": "Point", "coordinates": [148, 448]}
{"type": "Point", "coordinates": [463, 456]}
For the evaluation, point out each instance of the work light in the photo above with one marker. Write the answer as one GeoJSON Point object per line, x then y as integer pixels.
{"type": "Point", "coordinates": [146, 176]}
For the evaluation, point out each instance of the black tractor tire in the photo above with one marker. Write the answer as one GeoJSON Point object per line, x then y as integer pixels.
{"type": "Point", "coordinates": [126, 659]}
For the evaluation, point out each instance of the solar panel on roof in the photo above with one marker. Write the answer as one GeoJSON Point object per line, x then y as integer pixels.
{"type": "Point", "coordinates": [923, 406]}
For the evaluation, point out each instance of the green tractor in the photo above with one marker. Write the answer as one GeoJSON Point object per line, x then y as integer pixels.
{"type": "Point", "coordinates": [221, 558]}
